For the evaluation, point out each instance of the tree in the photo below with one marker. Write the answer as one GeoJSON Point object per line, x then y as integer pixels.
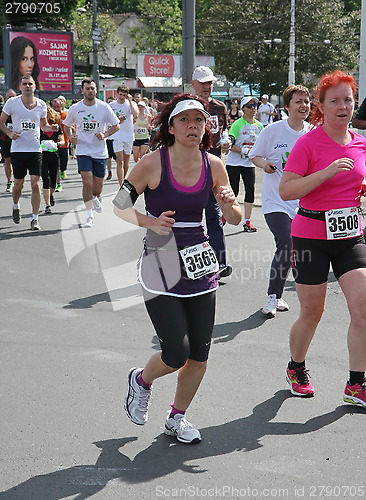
{"type": "Point", "coordinates": [83, 43]}
{"type": "Point", "coordinates": [49, 15]}
{"type": "Point", "coordinates": [119, 6]}
{"type": "Point", "coordinates": [238, 41]}
{"type": "Point", "coordinates": [350, 5]}
{"type": "Point", "coordinates": [161, 31]}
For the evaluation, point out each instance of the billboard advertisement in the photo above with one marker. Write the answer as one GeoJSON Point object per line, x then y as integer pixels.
{"type": "Point", "coordinates": [158, 65]}
{"type": "Point", "coordinates": [166, 65]}
{"type": "Point", "coordinates": [45, 55]}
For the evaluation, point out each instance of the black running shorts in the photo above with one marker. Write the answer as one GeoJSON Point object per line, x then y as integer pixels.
{"type": "Point", "coordinates": [26, 162]}
{"type": "Point", "coordinates": [312, 258]}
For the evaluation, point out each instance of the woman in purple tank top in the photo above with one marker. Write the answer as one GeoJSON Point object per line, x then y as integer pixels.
{"type": "Point", "coordinates": [178, 269]}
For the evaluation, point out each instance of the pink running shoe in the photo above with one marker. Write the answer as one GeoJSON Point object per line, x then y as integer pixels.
{"type": "Point", "coordinates": [249, 228]}
{"type": "Point", "coordinates": [300, 383]}
{"type": "Point", "coordinates": [355, 394]}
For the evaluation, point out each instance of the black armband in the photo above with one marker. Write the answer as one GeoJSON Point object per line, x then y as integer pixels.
{"type": "Point", "coordinates": [126, 196]}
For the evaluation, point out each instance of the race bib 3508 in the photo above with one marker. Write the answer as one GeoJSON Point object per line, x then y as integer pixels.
{"type": "Point", "coordinates": [342, 223]}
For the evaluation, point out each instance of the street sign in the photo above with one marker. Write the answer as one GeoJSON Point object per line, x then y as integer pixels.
{"type": "Point", "coordinates": [236, 92]}
{"type": "Point", "coordinates": [97, 35]}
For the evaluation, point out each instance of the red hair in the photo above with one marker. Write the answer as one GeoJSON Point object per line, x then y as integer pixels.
{"type": "Point", "coordinates": [326, 82]}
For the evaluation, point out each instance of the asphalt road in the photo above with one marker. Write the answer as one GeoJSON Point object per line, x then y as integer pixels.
{"type": "Point", "coordinates": [72, 324]}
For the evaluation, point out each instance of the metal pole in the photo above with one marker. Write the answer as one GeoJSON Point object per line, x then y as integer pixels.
{"type": "Point", "coordinates": [189, 40]}
{"type": "Point", "coordinates": [95, 46]}
{"type": "Point", "coordinates": [291, 70]}
{"type": "Point", "coordinates": [362, 69]}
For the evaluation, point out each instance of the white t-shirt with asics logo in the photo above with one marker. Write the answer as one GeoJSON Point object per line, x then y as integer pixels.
{"type": "Point", "coordinates": [90, 120]}
{"type": "Point", "coordinates": [125, 120]}
{"type": "Point", "coordinates": [26, 122]}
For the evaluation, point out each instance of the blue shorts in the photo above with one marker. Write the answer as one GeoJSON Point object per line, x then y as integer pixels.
{"type": "Point", "coordinates": [89, 164]}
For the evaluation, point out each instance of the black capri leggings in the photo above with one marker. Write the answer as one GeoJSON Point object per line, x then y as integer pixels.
{"type": "Point", "coordinates": [248, 176]}
{"type": "Point", "coordinates": [183, 325]}
{"type": "Point", "coordinates": [63, 155]}
{"type": "Point", "coordinates": [50, 166]}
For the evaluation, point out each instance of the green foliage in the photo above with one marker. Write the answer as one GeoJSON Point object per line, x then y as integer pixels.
{"type": "Point", "coordinates": [119, 6]}
{"type": "Point", "coordinates": [161, 30]}
{"type": "Point", "coordinates": [83, 43]}
{"type": "Point", "coordinates": [350, 5]}
{"type": "Point", "coordinates": [201, 7]}
{"type": "Point", "coordinates": [234, 32]}
{"type": "Point", "coordinates": [52, 15]}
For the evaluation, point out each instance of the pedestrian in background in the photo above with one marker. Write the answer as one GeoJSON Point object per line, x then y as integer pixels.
{"type": "Point", "coordinates": [29, 116]}
{"type": "Point", "coordinates": [111, 153]}
{"type": "Point", "coordinates": [359, 119]}
{"type": "Point", "coordinates": [278, 116]}
{"type": "Point", "coordinates": [270, 153]}
{"type": "Point", "coordinates": [50, 142]}
{"type": "Point", "coordinates": [202, 81]}
{"type": "Point", "coordinates": [5, 144]}
{"type": "Point", "coordinates": [58, 104]}
{"type": "Point", "coordinates": [266, 111]}
{"type": "Point", "coordinates": [243, 134]}
{"type": "Point", "coordinates": [91, 116]}
{"type": "Point", "coordinates": [142, 132]}
{"type": "Point", "coordinates": [234, 112]}
{"type": "Point", "coordinates": [126, 111]}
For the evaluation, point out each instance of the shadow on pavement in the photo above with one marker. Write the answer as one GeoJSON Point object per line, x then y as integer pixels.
{"type": "Point", "coordinates": [166, 455]}
{"type": "Point", "coordinates": [25, 232]}
{"type": "Point", "coordinates": [228, 331]}
{"type": "Point", "coordinates": [89, 301]}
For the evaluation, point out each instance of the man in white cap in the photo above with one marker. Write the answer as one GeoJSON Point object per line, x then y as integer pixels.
{"type": "Point", "coordinates": [266, 111]}
{"type": "Point", "coordinates": [202, 82]}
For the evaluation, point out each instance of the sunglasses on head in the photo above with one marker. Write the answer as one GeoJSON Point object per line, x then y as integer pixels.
{"type": "Point", "coordinates": [253, 105]}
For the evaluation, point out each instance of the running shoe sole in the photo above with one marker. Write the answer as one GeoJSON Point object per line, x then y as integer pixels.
{"type": "Point", "coordinates": [168, 432]}
{"type": "Point", "coordinates": [353, 400]}
{"type": "Point", "coordinates": [268, 314]}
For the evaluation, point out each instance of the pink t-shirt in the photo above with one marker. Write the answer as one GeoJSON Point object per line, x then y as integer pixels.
{"type": "Point", "coordinates": [313, 152]}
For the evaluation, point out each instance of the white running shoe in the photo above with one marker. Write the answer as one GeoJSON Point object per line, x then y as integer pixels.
{"type": "Point", "coordinates": [282, 305]}
{"type": "Point", "coordinates": [34, 225]}
{"type": "Point", "coordinates": [270, 306]}
{"type": "Point", "coordinates": [97, 204]}
{"type": "Point", "coordinates": [179, 427]}
{"type": "Point", "coordinates": [89, 223]}
{"type": "Point", "coordinates": [138, 399]}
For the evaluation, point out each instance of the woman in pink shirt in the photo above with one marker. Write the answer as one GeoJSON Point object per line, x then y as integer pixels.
{"type": "Point", "coordinates": [326, 170]}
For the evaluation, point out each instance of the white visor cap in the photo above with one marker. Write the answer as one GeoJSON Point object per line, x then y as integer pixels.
{"type": "Point", "coordinates": [186, 105]}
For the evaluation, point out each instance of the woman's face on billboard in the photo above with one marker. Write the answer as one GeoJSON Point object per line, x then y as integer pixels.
{"type": "Point", "coordinates": [26, 63]}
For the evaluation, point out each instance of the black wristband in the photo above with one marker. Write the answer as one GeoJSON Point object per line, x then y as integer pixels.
{"type": "Point", "coordinates": [126, 196]}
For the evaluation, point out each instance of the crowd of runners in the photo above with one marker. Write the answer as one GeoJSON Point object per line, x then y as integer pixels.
{"type": "Point", "coordinates": [313, 167]}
